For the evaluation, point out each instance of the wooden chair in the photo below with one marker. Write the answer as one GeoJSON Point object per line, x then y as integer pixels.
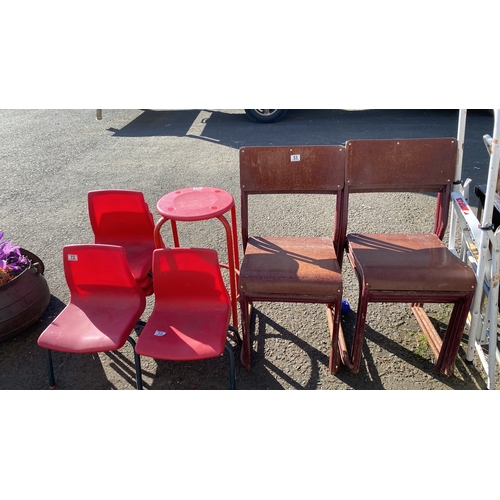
{"type": "Point", "coordinates": [292, 269]}
{"type": "Point", "coordinates": [412, 268]}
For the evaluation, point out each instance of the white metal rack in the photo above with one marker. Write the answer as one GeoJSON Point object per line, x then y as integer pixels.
{"type": "Point", "coordinates": [480, 247]}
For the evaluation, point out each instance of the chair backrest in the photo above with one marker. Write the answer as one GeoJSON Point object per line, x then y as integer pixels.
{"type": "Point", "coordinates": [292, 169]}
{"type": "Point", "coordinates": [119, 215]}
{"type": "Point", "coordinates": [187, 275]}
{"type": "Point", "coordinates": [95, 271]}
{"type": "Point", "coordinates": [404, 165]}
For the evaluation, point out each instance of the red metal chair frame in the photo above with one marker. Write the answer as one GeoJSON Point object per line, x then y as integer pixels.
{"type": "Point", "coordinates": [408, 268]}
{"type": "Point", "coordinates": [292, 269]}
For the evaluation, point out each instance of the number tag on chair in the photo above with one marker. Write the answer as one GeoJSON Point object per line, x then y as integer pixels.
{"type": "Point", "coordinates": [158, 333]}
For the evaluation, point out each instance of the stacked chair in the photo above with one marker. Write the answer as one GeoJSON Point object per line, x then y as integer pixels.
{"type": "Point", "coordinates": [292, 269]}
{"type": "Point", "coordinates": [408, 268]}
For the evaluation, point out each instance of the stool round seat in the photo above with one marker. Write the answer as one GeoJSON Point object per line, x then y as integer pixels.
{"type": "Point", "coordinates": [195, 203]}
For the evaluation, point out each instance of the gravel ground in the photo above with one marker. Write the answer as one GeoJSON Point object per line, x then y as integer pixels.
{"type": "Point", "coordinates": [54, 157]}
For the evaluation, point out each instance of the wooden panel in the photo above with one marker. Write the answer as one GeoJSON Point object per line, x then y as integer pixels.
{"type": "Point", "coordinates": [424, 165]}
{"type": "Point", "coordinates": [288, 169]}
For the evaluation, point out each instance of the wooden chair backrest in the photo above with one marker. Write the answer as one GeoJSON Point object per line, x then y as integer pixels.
{"type": "Point", "coordinates": [291, 169]}
{"type": "Point", "coordinates": [404, 165]}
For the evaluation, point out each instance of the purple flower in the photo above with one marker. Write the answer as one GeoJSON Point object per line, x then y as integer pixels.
{"type": "Point", "coordinates": [10, 255]}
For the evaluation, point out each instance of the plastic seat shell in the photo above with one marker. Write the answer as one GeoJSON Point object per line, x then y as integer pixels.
{"type": "Point", "coordinates": [122, 217]}
{"type": "Point", "coordinates": [192, 310]}
{"type": "Point", "coordinates": [105, 302]}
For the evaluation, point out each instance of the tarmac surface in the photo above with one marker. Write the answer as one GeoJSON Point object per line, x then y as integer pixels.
{"type": "Point", "coordinates": [50, 159]}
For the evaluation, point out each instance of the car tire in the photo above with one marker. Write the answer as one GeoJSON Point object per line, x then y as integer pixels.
{"type": "Point", "coordinates": [265, 115]}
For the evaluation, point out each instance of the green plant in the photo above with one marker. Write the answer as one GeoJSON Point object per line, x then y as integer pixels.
{"type": "Point", "coordinates": [423, 345]}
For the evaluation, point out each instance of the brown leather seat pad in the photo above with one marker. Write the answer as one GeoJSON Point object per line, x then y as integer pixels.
{"type": "Point", "coordinates": [290, 266]}
{"type": "Point", "coordinates": [419, 262]}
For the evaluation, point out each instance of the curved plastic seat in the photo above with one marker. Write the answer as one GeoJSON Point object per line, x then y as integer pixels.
{"type": "Point", "coordinates": [104, 307]}
{"type": "Point", "coordinates": [192, 310]}
{"type": "Point", "coordinates": [122, 217]}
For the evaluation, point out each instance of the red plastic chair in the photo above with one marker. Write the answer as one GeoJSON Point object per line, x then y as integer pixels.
{"type": "Point", "coordinates": [190, 318]}
{"type": "Point", "coordinates": [122, 217]}
{"type": "Point", "coordinates": [105, 305]}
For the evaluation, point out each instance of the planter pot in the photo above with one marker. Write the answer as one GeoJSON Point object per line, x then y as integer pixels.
{"type": "Point", "coordinates": [23, 299]}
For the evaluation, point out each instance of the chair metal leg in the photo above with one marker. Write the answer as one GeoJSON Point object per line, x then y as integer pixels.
{"type": "Point", "coordinates": [333, 316]}
{"type": "Point", "coordinates": [237, 337]}
{"type": "Point", "coordinates": [138, 372]}
{"type": "Point", "coordinates": [246, 314]}
{"type": "Point", "coordinates": [446, 361]}
{"type": "Point", "coordinates": [359, 331]}
{"type": "Point", "coordinates": [232, 377]}
{"type": "Point", "coordinates": [50, 369]}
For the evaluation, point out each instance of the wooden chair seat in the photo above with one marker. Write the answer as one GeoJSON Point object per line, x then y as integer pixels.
{"type": "Point", "coordinates": [291, 267]}
{"type": "Point", "coordinates": [422, 259]}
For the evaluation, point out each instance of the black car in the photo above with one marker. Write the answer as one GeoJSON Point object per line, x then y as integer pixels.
{"type": "Point", "coordinates": [265, 115]}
